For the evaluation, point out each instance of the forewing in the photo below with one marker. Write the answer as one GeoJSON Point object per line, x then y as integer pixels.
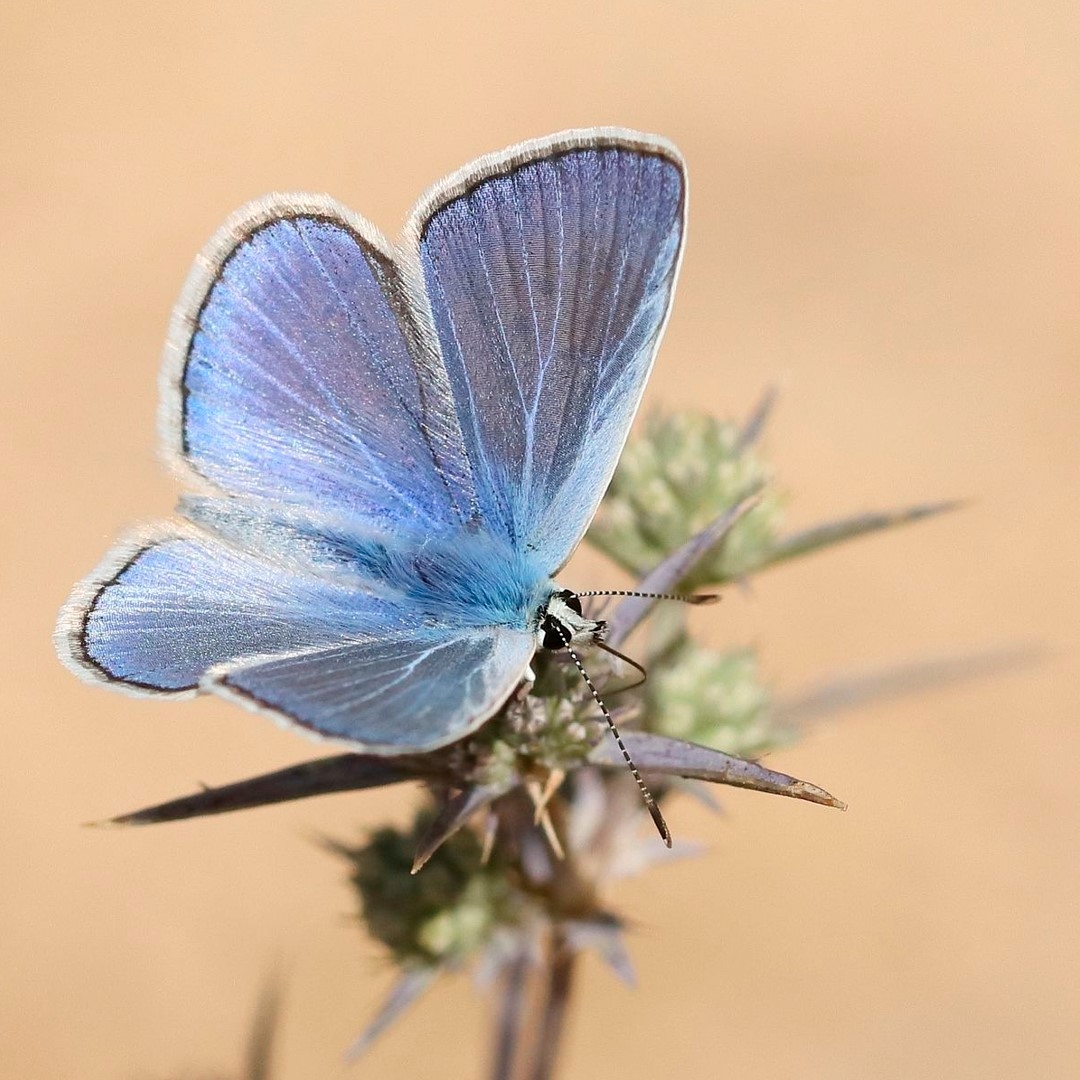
{"type": "Point", "coordinates": [296, 370]}
{"type": "Point", "coordinates": [549, 269]}
{"type": "Point", "coordinates": [172, 602]}
{"type": "Point", "coordinates": [406, 692]}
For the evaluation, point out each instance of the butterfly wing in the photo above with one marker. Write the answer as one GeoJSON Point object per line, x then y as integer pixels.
{"type": "Point", "coordinates": [403, 693]}
{"type": "Point", "coordinates": [174, 610]}
{"type": "Point", "coordinates": [296, 370]}
{"type": "Point", "coordinates": [171, 602]}
{"type": "Point", "coordinates": [549, 269]}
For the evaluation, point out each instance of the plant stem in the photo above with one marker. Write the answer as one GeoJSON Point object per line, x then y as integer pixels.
{"type": "Point", "coordinates": [560, 982]}
{"type": "Point", "coordinates": [511, 991]}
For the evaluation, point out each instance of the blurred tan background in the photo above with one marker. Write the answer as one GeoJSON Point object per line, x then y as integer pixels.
{"type": "Point", "coordinates": [885, 219]}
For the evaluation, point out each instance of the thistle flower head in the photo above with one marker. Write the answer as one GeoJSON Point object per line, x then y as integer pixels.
{"type": "Point", "coordinates": [686, 470]}
{"type": "Point", "coordinates": [440, 917]}
{"type": "Point", "coordinates": [713, 698]}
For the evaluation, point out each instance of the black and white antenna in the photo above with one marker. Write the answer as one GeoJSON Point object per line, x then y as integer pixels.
{"type": "Point", "coordinates": [561, 623]}
{"type": "Point", "coordinates": [650, 802]}
{"type": "Point", "coordinates": [693, 598]}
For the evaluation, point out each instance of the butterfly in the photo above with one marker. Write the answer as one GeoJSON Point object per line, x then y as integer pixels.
{"type": "Point", "coordinates": [390, 450]}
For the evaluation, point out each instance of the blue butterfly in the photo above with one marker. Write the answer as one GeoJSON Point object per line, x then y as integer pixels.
{"type": "Point", "coordinates": [391, 450]}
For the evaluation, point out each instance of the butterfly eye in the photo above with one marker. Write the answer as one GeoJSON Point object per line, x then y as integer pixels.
{"type": "Point", "coordinates": [555, 635]}
{"type": "Point", "coordinates": [571, 600]}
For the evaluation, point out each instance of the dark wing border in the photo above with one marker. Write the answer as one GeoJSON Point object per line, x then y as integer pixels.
{"type": "Point", "coordinates": [69, 637]}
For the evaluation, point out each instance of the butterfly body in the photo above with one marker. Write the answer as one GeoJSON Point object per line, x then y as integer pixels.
{"type": "Point", "coordinates": [391, 450]}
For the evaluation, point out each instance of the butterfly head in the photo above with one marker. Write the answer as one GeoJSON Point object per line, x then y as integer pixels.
{"type": "Point", "coordinates": [561, 622]}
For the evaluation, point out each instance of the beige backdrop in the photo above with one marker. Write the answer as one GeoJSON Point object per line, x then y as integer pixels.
{"type": "Point", "coordinates": [885, 220]}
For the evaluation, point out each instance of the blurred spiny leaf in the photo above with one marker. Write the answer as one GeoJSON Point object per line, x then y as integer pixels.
{"type": "Point", "coordinates": [258, 1061]}
{"type": "Point", "coordinates": [874, 686]}
{"type": "Point", "coordinates": [834, 532]}
{"type": "Point", "coordinates": [405, 991]}
{"type": "Point", "coordinates": [688, 469]}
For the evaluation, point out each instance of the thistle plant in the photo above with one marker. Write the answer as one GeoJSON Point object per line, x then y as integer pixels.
{"type": "Point", "coordinates": [508, 865]}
